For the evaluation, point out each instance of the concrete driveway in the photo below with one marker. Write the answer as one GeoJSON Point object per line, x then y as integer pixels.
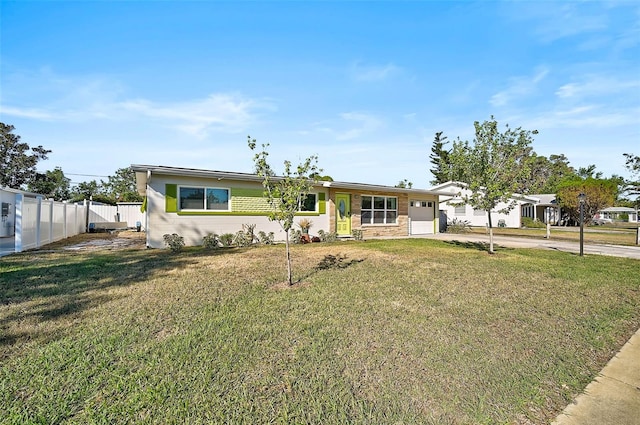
{"type": "Point", "coordinates": [523, 242]}
{"type": "Point", "coordinates": [7, 246]}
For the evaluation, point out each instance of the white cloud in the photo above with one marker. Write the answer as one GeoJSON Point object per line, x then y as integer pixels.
{"type": "Point", "coordinates": [519, 87]}
{"type": "Point", "coordinates": [366, 123]}
{"type": "Point", "coordinates": [372, 73]}
{"type": "Point", "coordinates": [223, 112]}
{"type": "Point", "coordinates": [51, 98]}
{"type": "Point", "coordinates": [597, 85]}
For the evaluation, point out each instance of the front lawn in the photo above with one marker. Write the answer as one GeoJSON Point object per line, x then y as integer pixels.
{"type": "Point", "coordinates": [398, 331]}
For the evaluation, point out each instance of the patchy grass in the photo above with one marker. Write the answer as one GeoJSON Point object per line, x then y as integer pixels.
{"type": "Point", "coordinates": [394, 331]}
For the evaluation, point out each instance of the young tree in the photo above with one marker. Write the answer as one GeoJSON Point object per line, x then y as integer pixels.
{"type": "Point", "coordinates": [492, 167]}
{"type": "Point", "coordinates": [52, 184]}
{"type": "Point", "coordinates": [439, 158]}
{"type": "Point", "coordinates": [600, 193]}
{"type": "Point", "coordinates": [17, 165]}
{"type": "Point", "coordinates": [285, 194]}
{"type": "Point", "coordinates": [122, 186]}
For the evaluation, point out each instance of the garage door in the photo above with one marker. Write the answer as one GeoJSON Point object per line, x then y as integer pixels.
{"type": "Point", "coordinates": [421, 215]}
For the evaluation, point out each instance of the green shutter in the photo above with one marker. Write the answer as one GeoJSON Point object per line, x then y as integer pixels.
{"type": "Point", "coordinates": [322, 204]}
{"type": "Point", "coordinates": [170, 197]}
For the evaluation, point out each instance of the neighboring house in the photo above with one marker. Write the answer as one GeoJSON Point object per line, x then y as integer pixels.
{"type": "Point", "coordinates": [452, 208]}
{"type": "Point", "coordinates": [544, 208]}
{"type": "Point", "coordinates": [617, 214]}
{"type": "Point", "coordinates": [195, 202]}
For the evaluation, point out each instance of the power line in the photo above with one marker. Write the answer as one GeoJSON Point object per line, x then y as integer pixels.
{"type": "Point", "coordinates": [83, 175]}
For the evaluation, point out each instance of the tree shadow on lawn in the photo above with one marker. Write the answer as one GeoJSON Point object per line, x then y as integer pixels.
{"type": "Point", "coordinates": [43, 287]}
{"type": "Point", "coordinates": [479, 246]}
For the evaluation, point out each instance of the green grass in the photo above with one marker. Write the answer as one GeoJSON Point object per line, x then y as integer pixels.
{"type": "Point", "coordinates": [411, 331]}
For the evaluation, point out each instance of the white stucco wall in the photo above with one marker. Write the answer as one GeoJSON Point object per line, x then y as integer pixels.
{"type": "Point", "coordinates": [194, 227]}
{"type": "Point", "coordinates": [511, 219]}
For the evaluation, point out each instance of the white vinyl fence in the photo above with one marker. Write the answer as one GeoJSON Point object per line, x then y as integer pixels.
{"type": "Point", "coordinates": [39, 222]}
{"type": "Point", "coordinates": [128, 212]}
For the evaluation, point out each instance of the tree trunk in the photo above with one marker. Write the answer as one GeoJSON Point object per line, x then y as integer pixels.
{"type": "Point", "coordinates": [289, 274]}
{"type": "Point", "coordinates": [490, 232]}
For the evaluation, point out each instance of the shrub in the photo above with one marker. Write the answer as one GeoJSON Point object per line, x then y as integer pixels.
{"type": "Point", "coordinates": [175, 242]}
{"type": "Point", "coordinates": [266, 238]}
{"type": "Point", "coordinates": [241, 239]}
{"type": "Point", "coordinates": [357, 234]}
{"type": "Point", "coordinates": [327, 236]}
{"type": "Point", "coordinates": [249, 233]}
{"type": "Point", "coordinates": [296, 236]}
{"type": "Point", "coordinates": [458, 226]}
{"type": "Point", "coordinates": [211, 241]}
{"type": "Point", "coordinates": [305, 224]}
{"type": "Point", "coordinates": [531, 223]}
{"type": "Point", "coordinates": [226, 239]}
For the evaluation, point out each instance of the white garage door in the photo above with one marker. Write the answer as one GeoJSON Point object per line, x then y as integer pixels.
{"type": "Point", "coordinates": [421, 214]}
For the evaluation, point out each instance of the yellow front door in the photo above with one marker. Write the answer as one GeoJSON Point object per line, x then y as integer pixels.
{"type": "Point", "coordinates": [343, 214]}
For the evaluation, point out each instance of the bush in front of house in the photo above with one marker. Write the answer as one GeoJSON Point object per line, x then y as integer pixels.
{"type": "Point", "coordinates": [530, 223]}
{"type": "Point", "coordinates": [174, 241]}
{"type": "Point", "coordinates": [211, 241]}
{"type": "Point", "coordinates": [327, 236]}
{"type": "Point", "coordinates": [458, 226]}
{"type": "Point", "coordinates": [226, 239]}
{"type": "Point", "coordinates": [266, 238]}
{"type": "Point", "coordinates": [357, 234]}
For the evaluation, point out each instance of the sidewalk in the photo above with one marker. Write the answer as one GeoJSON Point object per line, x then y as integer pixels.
{"type": "Point", "coordinates": [614, 396]}
{"type": "Point", "coordinates": [523, 242]}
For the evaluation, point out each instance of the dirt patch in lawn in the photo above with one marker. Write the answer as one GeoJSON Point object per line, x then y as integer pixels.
{"type": "Point", "coordinates": [99, 242]}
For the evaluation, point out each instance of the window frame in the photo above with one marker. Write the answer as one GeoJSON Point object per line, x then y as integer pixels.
{"type": "Point", "coordinates": [205, 189]}
{"type": "Point", "coordinates": [384, 212]}
{"type": "Point", "coordinates": [315, 205]}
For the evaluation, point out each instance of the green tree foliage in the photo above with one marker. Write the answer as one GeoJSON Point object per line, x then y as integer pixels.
{"type": "Point", "coordinates": [121, 187]}
{"type": "Point", "coordinates": [439, 158]}
{"type": "Point", "coordinates": [52, 184]}
{"type": "Point", "coordinates": [492, 167]}
{"type": "Point", "coordinates": [545, 173]}
{"type": "Point", "coordinates": [600, 193]}
{"type": "Point", "coordinates": [405, 184]}
{"type": "Point", "coordinates": [91, 190]}
{"type": "Point", "coordinates": [632, 163]}
{"type": "Point", "coordinates": [589, 172]}
{"type": "Point", "coordinates": [17, 160]}
{"type": "Point", "coordinates": [285, 194]}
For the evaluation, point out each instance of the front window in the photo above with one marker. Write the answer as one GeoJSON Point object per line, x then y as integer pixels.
{"type": "Point", "coordinates": [204, 198]}
{"type": "Point", "coordinates": [379, 210]}
{"type": "Point", "coordinates": [309, 203]}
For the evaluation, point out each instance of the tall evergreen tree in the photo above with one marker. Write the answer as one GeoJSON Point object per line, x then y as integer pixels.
{"type": "Point", "coordinates": [439, 158]}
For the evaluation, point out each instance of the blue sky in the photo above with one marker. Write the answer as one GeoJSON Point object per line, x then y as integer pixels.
{"type": "Point", "coordinates": [363, 85]}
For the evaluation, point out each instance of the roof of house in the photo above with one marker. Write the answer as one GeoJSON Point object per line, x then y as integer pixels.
{"type": "Point", "coordinates": [545, 199]}
{"type": "Point", "coordinates": [460, 185]}
{"type": "Point", "coordinates": [24, 192]}
{"type": "Point", "coordinates": [144, 172]}
{"type": "Point", "coordinates": [619, 210]}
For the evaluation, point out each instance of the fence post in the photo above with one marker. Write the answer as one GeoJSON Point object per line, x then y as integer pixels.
{"type": "Point", "coordinates": [18, 219]}
{"type": "Point", "coordinates": [51, 224]}
{"type": "Point", "coordinates": [38, 218]}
